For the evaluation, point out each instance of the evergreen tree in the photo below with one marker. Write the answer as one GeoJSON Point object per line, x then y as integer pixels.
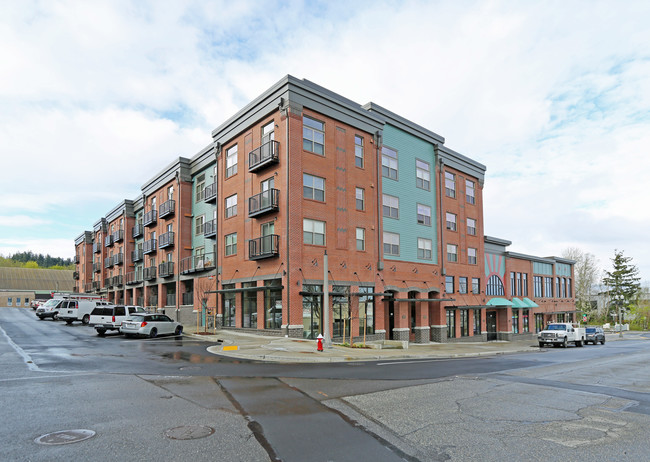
{"type": "Point", "coordinates": [623, 280]}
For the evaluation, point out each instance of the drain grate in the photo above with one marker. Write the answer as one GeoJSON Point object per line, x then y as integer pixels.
{"type": "Point", "coordinates": [65, 437]}
{"type": "Point", "coordinates": [189, 432]}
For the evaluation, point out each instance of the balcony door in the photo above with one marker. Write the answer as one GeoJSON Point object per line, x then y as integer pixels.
{"type": "Point", "coordinates": [267, 230]}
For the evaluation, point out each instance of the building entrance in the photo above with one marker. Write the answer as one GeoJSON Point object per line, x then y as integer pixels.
{"type": "Point", "coordinates": [491, 324]}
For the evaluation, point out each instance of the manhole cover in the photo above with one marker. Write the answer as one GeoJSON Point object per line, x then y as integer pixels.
{"type": "Point", "coordinates": [65, 437]}
{"type": "Point", "coordinates": [189, 432]}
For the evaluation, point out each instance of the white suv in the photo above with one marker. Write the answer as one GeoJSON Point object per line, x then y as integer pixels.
{"type": "Point", "coordinates": [105, 318]}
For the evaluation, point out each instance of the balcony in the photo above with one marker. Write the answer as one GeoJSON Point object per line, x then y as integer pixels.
{"type": "Point", "coordinates": [167, 208]}
{"type": "Point", "coordinates": [97, 267]}
{"type": "Point", "coordinates": [133, 277]}
{"type": "Point", "coordinates": [97, 286]}
{"type": "Point", "coordinates": [137, 255]}
{"type": "Point", "coordinates": [264, 202]}
{"type": "Point", "coordinates": [137, 230]}
{"type": "Point", "coordinates": [108, 262]}
{"type": "Point", "coordinates": [108, 241]}
{"type": "Point", "coordinates": [150, 218]}
{"type": "Point", "coordinates": [118, 258]}
{"type": "Point", "coordinates": [149, 246]}
{"type": "Point", "coordinates": [210, 193]}
{"type": "Point", "coordinates": [118, 235]}
{"type": "Point", "coordinates": [75, 275]}
{"type": "Point", "coordinates": [265, 155]}
{"type": "Point", "coordinates": [88, 287]}
{"type": "Point", "coordinates": [118, 280]}
{"type": "Point", "coordinates": [264, 247]}
{"type": "Point", "coordinates": [198, 263]}
{"type": "Point", "coordinates": [210, 228]}
{"type": "Point", "coordinates": [77, 259]}
{"type": "Point", "coordinates": [166, 240]}
{"type": "Point", "coordinates": [166, 270]}
{"type": "Point", "coordinates": [97, 247]}
{"type": "Point", "coordinates": [188, 298]}
{"type": "Point", "coordinates": [149, 273]}
{"type": "Point", "coordinates": [108, 282]}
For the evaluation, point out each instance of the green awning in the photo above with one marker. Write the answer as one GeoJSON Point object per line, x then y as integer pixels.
{"type": "Point", "coordinates": [529, 303]}
{"type": "Point", "coordinates": [498, 302]}
{"type": "Point", "coordinates": [516, 303]}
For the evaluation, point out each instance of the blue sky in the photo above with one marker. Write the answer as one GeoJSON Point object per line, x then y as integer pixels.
{"type": "Point", "coordinates": [554, 97]}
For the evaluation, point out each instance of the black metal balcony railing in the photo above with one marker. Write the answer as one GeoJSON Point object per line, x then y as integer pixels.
{"type": "Point", "coordinates": [118, 280]}
{"type": "Point", "coordinates": [96, 285]}
{"type": "Point", "coordinates": [97, 267]}
{"type": "Point", "coordinates": [198, 263]}
{"type": "Point", "coordinates": [133, 277]}
{"type": "Point", "coordinates": [188, 298]}
{"type": "Point", "coordinates": [263, 156]}
{"type": "Point", "coordinates": [88, 287]}
{"type": "Point", "coordinates": [264, 247]}
{"type": "Point", "coordinates": [137, 230]}
{"type": "Point", "coordinates": [108, 240]}
{"type": "Point", "coordinates": [171, 300]}
{"type": "Point", "coordinates": [166, 240]}
{"type": "Point", "coordinates": [266, 201]}
{"type": "Point", "coordinates": [118, 258]}
{"type": "Point", "coordinates": [153, 300]}
{"type": "Point", "coordinates": [149, 273]}
{"type": "Point", "coordinates": [108, 282]}
{"type": "Point", "coordinates": [97, 247]}
{"type": "Point", "coordinates": [150, 218]}
{"type": "Point", "coordinates": [108, 262]}
{"type": "Point", "coordinates": [166, 269]}
{"type": "Point", "coordinates": [210, 193]}
{"type": "Point", "coordinates": [210, 228]}
{"type": "Point", "coordinates": [167, 208]}
{"type": "Point", "coordinates": [149, 246]}
{"type": "Point", "coordinates": [118, 235]}
{"type": "Point", "coordinates": [76, 259]}
{"type": "Point", "coordinates": [137, 255]}
{"type": "Point", "coordinates": [75, 275]}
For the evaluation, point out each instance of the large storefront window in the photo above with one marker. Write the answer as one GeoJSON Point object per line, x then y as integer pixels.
{"type": "Point", "coordinates": [477, 322]}
{"type": "Point", "coordinates": [249, 312]}
{"type": "Point", "coordinates": [515, 321]}
{"type": "Point", "coordinates": [273, 304]}
{"type": "Point", "coordinates": [524, 321]}
{"type": "Point", "coordinates": [366, 311]}
{"type": "Point", "coordinates": [341, 311]}
{"type": "Point", "coordinates": [229, 304]}
{"type": "Point", "coordinates": [311, 311]}
{"type": "Point", "coordinates": [451, 324]}
{"type": "Point", "coordinates": [464, 323]}
{"type": "Point", "coordinates": [560, 317]}
{"type": "Point", "coordinates": [539, 322]}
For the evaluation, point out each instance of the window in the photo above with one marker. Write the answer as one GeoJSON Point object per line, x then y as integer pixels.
{"type": "Point", "coordinates": [537, 286]}
{"type": "Point", "coordinates": [424, 215]}
{"type": "Point", "coordinates": [462, 285]}
{"type": "Point", "coordinates": [231, 206]}
{"type": "Point", "coordinates": [515, 321]}
{"type": "Point", "coordinates": [568, 288]}
{"type": "Point", "coordinates": [313, 232]}
{"type": "Point", "coordinates": [198, 225]}
{"type": "Point", "coordinates": [267, 132]}
{"type": "Point", "coordinates": [548, 287]}
{"type": "Point", "coordinates": [469, 192]}
{"type": "Point", "coordinates": [422, 175]}
{"type": "Point", "coordinates": [170, 195]}
{"type": "Point", "coordinates": [391, 243]}
{"type": "Point", "coordinates": [358, 151]}
{"type": "Point", "coordinates": [524, 321]}
{"type": "Point", "coordinates": [513, 289]}
{"type": "Point", "coordinates": [231, 161]}
{"type": "Point", "coordinates": [153, 203]}
{"type": "Point", "coordinates": [477, 322]}
{"type": "Point", "coordinates": [464, 323]}
{"type": "Point", "coordinates": [200, 188]}
{"type": "Point", "coordinates": [558, 293]}
{"type": "Point", "coordinates": [476, 285]}
{"type": "Point", "coordinates": [539, 322]}
{"type": "Point", "coordinates": [389, 163]}
{"type": "Point", "coordinates": [390, 206]}
{"type": "Point", "coordinates": [471, 226]}
{"type": "Point", "coordinates": [524, 284]}
{"type": "Point", "coordinates": [519, 284]}
{"type": "Point", "coordinates": [313, 187]}
{"type": "Point", "coordinates": [366, 311]}
{"type": "Point", "coordinates": [449, 284]}
{"type": "Point", "coordinates": [361, 239]}
{"type": "Point", "coordinates": [231, 244]}
{"type": "Point", "coordinates": [360, 198]}
{"type": "Point", "coordinates": [311, 310]}
{"type": "Point", "coordinates": [451, 324]}
{"type": "Point", "coordinates": [313, 136]}
{"type": "Point", "coordinates": [229, 304]}
{"type": "Point", "coordinates": [452, 252]}
{"type": "Point", "coordinates": [450, 184]}
{"type": "Point", "coordinates": [471, 256]}
{"type": "Point", "coordinates": [494, 286]}
{"type": "Point", "coordinates": [249, 311]}
{"type": "Point", "coordinates": [425, 247]}
{"type": "Point", "coordinates": [451, 221]}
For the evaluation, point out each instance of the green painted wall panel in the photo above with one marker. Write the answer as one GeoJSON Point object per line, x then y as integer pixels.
{"type": "Point", "coordinates": [202, 208]}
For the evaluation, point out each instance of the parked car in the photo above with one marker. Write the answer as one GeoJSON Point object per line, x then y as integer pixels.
{"type": "Point", "coordinates": [79, 310]}
{"type": "Point", "coordinates": [34, 304]}
{"type": "Point", "coordinates": [105, 318]}
{"type": "Point", "coordinates": [150, 325]}
{"type": "Point", "coordinates": [595, 335]}
{"type": "Point", "coordinates": [49, 309]}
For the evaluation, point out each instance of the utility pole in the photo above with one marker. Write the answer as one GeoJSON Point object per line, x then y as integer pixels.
{"type": "Point", "coordinates": [326, 305]}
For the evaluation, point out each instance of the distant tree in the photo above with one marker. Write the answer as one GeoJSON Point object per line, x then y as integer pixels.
{"type": "Point", "coordinates": [22, 259]}
{"type": "Point", "coordinates": [30, 264]}
{"type": "Point", "coordinates": [623, 280]}
{"type": "Point", "coordinates": [587, 274]}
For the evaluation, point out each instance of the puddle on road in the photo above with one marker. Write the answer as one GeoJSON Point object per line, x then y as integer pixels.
{"type": "Point", "coordinates": [196, 358]}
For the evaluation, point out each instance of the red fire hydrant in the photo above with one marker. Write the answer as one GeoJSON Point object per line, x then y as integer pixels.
{"type": "Point", "coordinates": [320, 342]}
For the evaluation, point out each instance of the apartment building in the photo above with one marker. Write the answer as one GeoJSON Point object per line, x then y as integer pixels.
{"type": "Point", "coordinates": [304, 191]}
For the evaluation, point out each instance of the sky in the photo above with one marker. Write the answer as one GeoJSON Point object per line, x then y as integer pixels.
{"type": "Point", "coordinates": [96, 97]}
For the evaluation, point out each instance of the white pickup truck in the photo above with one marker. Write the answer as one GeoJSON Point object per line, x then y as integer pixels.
{"type": "Point", "coordinates": [561, 334]}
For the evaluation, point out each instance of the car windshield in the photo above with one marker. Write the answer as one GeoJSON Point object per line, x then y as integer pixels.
{"type": "Point", "coordinates": [591, 330]}
{"type": "Point", "coordinates": [555, 327]}
{"type": "Point", "coordinates": [52, 302]}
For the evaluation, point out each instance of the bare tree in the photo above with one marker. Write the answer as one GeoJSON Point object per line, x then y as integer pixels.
{"type": "Point", "coordinates": [587, 275]}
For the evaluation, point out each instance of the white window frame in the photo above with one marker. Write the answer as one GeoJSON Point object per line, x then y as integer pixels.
{"type": "Point", "coordinates": [312, 230]}
{"type": "Point", "coordinates": [361, 239]}
{"type": "Point", "coordinates": [450, 219]}
{"type": "Point", "coordinates": [470, 192]}
{"type": "Point", "coordinates": [360, 198]}
{"type": "Point", "coordinates": [358, 151]}
{"type": "Point", "coordinates": [422, 175]}
{"type": "Point", "coordinates": [450, 184]}
{"type": "Point", "coordinates": [230, 246]}
{"type": "Point", "coordinates": [390, 206]}
{"type": "Point", "coordinates": [471, 256]}
{"type": "Point", "coordinates": [231, 161]}
{"type": "Point", "coordinates": [313, 135]}
{"type": "Point", "coordinates": [311, 186]}
{"type": "Point", "coordinates": [389, 163]}
{"type": "Point", "coordinates": [423, 214]}
{"type": "Point", "coordinates": [452, 253]}
{"type": "Point", "coordinates": [471, 226]}
{"type": "Point", "coordinates": [425, 249]}
{"type": "Point", "coordinates": [391, 243]}
{"type": "Point", "coordinates": [231, 206]}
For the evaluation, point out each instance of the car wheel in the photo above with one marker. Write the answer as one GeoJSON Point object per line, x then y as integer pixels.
{"type": "Point", "coordinates": [86, 319]}
{"type": "Point", "coordinates": [68, 321]}
{"type": "Point", "coordinates": [153, 332]}
{"type": "Point", "coordinates": [128, 335]}
{"type": "Point", "coordinates": [178, 331]}
{"type": "Point", "coordinates": [41, 317]}
{"type": "Point", "coordinates": [101, 332]}
{"type": "Point", "coordinates": [578, 343]}
{"type": "Point", "coordinates": [602, 342]}
{"type": "Point", "coordinates": [55, 317]}
{"type": "Point", "coordinates": [564, 343]}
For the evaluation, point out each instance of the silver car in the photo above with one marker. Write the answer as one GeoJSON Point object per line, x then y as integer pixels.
{"type": "Point", "coordinates": [150, 325]}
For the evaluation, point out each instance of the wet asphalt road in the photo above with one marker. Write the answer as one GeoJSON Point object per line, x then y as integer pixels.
{"type": "Point", "coordinates": [59, 376]}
